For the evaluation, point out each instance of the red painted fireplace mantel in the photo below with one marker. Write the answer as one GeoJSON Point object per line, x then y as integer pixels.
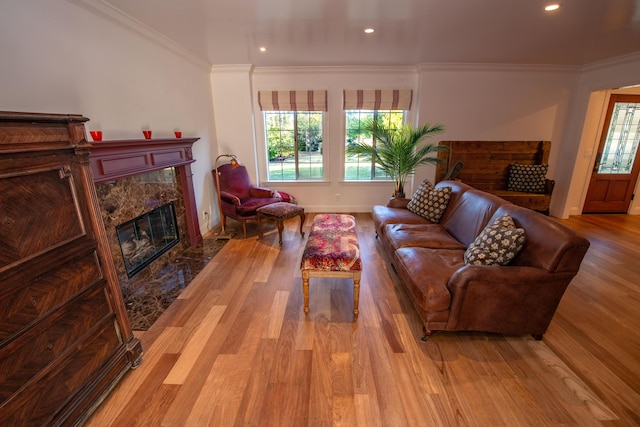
{"type": "Point", "coordinates": [111, 160]}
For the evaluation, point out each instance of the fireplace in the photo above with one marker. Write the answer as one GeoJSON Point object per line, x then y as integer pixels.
{"type": "Point", "coordinates": [137, 181]}
{"type": "Point", "coordinates": [145, 238]}
{"type": "Point", "coordinates": [135, 176]}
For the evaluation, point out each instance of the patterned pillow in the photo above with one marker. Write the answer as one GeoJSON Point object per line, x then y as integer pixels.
{"type": "Point", "coordinates": [527, 178]}
{"type": "Point", "coordinates": [430, 202]}
{"type": "Point", "coordinates": [497, 244]}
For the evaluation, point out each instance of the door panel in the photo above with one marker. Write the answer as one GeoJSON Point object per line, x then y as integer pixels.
{"type": "Point", "coordinates": [616, 168]}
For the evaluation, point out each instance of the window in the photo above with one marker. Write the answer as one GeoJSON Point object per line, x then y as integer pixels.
{"type": "Point", "coordinates": [356, 168]}
{"type": "Point", "coordinates": [386, 106]}
{"type": "Point", "coordinates": [294, 144]}
{"type": "Point", "coordinates": [293, 122]}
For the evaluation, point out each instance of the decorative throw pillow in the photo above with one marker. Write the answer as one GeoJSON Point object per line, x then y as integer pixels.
{"type": "Point", "coordinates": [527, 178]}
{"type": "Point", "coordinates": [430, 202]}
{"type": "Point", "coordinates": [497, 244]}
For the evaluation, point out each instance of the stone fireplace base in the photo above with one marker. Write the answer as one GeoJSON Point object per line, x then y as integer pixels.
{"type": "Point", "coordinates": [147, 297]}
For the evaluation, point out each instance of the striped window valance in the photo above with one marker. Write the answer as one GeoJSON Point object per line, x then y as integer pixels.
{"type": "Point", "coordinates": [393, 99]}
{"type": "Point", "coordinates": [293, 100]}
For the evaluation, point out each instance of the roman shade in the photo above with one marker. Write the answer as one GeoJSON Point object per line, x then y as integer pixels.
{"type": "Point", "coordinates": [292, 100]}
{"type": "Point", "coordinates": [376, 99]}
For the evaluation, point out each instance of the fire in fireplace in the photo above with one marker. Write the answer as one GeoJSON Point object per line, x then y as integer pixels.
{"type": "Point", "coordinates": [145, 238]}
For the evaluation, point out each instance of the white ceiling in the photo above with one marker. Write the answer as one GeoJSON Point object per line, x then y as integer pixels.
{"type": "Point", "coordinates": [330, 32]}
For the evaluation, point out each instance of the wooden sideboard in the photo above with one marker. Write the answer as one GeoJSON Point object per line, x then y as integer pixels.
{"type": "Point", "coordinates": [65, 339]}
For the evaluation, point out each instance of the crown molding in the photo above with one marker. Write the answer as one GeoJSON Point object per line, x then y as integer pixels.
{"type": "Point", "coordinates": [613, 62]}
{"type": "Point", "coordinates": [232, 68]}
{"type": "Point", "coordinates": [544, 68]}
{"type": "Point", "coordinates": [333, 69]}
{"type": "Point", "coordinates": [113, 14]}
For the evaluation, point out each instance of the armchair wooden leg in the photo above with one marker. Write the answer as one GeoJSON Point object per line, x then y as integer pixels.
{"type": "Point", "coordinates": [260, 229]}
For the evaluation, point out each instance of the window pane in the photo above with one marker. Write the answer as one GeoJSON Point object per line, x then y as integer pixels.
{"type": "Point", "coordinates": [357, 167]}
{"type": "Point", "coordinates": [621, 144]}
{"type": "Point", "coordinates": [294, 144]}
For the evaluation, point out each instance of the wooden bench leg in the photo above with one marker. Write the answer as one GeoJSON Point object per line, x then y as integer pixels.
{"type": "Point", "coordinates": [305, 290]}
{"type": "Point", "coordinates": [356, 293]}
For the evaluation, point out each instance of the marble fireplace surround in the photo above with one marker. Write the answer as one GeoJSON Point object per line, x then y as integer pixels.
{"type": "Point", "coordinates": [113, 160]}
{"type": "Point", "coordinates": [133, 177]}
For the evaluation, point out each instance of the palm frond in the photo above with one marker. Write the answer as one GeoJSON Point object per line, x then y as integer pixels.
{"type": "Point", "coordinates": [398, 152]}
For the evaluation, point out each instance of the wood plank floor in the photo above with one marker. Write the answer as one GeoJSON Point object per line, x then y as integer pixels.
{"type": "Point", "coordinates": [237, 349]}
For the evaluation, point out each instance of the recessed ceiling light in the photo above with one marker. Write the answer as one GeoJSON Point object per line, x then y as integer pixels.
{"type": "Point", "coordinates": [552, 7]}
{"type": "Point", "coordinates": [369, 30]}
{"type": "Point", "coordinates": [263, 49]}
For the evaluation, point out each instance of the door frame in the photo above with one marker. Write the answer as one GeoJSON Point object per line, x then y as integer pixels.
{"type": "Point", "coordinates": [602, 134]}
{"type": "Point", "coordinates": [596, 122]}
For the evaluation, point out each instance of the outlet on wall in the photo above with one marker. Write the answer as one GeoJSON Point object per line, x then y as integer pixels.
{"type": "Point", "coordinates": [205, 215]}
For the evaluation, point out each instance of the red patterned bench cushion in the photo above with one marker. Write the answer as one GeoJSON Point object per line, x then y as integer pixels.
{"type": "Point", "coordinates": [332, 245]}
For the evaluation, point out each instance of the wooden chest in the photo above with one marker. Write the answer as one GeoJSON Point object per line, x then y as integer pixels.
{"type": "Point", "coordinates": [65, 338]}
{"type": "Point", "coordinates": [486, 167]}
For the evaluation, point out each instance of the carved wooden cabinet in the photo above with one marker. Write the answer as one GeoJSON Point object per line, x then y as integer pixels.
{"type": "Point", "coordinates": [65, 339]}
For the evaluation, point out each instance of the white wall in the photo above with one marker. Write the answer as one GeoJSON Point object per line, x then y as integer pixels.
{"type": "Point", "coordinates": [333, 193]}
{"type": "Point", "coordinates": [471, 101]}
{"type": "Point", "coordinates": [499, 102]}
{"type": "Point", "coordinates": [60, 57]}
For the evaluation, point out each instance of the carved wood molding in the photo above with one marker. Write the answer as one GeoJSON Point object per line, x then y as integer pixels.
{"type": "Point", "coordinates": [111, 160]}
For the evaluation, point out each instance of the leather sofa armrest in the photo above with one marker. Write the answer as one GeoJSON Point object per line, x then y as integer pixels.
{"type": "Point", "coordinates": [396, 202]}
{"type": "Point", "coordinates": [229, 198]}
{"type": "Point", "coordinates": [260, 192]}
{"type": "Point", "coordinates": [505, 286]}
{"type": "Point", "coordinates": [471, 274]}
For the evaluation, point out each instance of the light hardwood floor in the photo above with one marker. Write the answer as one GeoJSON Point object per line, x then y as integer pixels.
{"type": "Point", "coordinates": [237, 349]}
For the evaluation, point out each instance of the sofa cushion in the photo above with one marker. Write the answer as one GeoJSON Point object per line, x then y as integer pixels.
{"type": "Point", "coordinates": [430, 202]}
{"type": "Point", "coordinates": [420, 236]}
{"type": "Point", "coordinates": [469, 214]}
{"type": "Point", "coordinates": [383, 215]}
{"type": "Point", "coordinates": [426, 272]}
{"type": "Point", "coordinates": [248, 207]}
{"type": "Point", "coordinates": [527, 178]}
{"type": "Point", "coordinates": [497, 244]}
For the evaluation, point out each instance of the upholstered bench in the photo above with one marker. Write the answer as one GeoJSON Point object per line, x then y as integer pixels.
{"type": "Point", "coordinates": [279, 212]}
{"type": "Point", "coordinates": [332, 251]}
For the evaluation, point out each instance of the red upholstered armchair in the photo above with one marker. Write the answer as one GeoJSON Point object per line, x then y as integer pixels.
{"type": "Point", "coordinates": [239, 199]}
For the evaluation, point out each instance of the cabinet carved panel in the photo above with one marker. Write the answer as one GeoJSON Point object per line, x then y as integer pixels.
{"type": "Point", "coordinates": [65, 338]}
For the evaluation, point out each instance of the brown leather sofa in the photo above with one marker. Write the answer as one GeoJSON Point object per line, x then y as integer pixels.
{"type": "Point", "coordinates": [518, 298]}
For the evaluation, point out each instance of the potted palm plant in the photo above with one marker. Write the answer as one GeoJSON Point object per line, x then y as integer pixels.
{"type": "Point", "coordinates": [398, 152]}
